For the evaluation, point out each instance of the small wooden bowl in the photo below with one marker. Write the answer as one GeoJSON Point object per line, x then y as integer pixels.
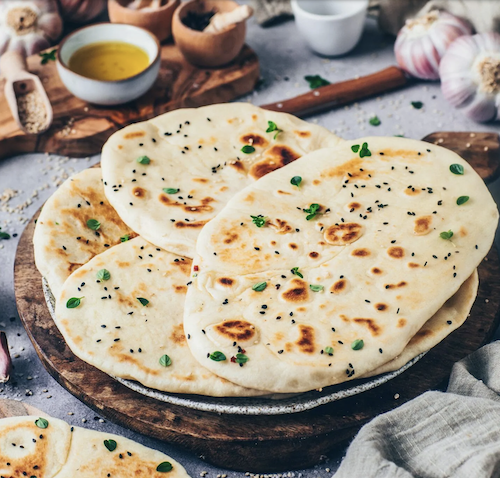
{"type": "Point", "coordinates": [208, 49]}
{"type": "Point", "coordinates": [158, 21]}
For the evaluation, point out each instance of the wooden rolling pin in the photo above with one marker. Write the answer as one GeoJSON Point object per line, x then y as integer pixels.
{"type": "Point", "coordinates": [345, 92]}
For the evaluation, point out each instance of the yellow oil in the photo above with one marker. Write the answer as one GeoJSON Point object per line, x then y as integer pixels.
{"type": "Point", "coordinates": [109, 60]}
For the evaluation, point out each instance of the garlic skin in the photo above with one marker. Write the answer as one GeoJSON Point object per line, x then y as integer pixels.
{"type": "Point", "coordinates": [470, 76]}
{"type": "Point", "coordinates": [423, 41]}
{"type": "Point", "coordinates": [28, 26]}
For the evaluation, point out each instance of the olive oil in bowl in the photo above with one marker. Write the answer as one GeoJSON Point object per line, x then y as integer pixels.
{"type": "Point", "coordinates": [109, 60]}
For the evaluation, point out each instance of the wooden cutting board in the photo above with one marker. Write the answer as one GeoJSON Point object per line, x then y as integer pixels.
{"type": "Point", "coordinates": [13, 408]}
{"type": "Point", "coordinates": [263, 443]}
{"type": "Point", "coordinates": [80, 129]}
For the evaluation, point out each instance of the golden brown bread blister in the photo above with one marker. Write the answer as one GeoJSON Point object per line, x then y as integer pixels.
{"type": "Point", "coordinates": [63, 241]}
{"type": "Point", "coordinates": [354, 272]}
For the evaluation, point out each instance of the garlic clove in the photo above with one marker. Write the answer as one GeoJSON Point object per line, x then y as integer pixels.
{"type": "Point", "coordinates": [481, 108]}
{"type": "Point", "coordinates": [5, 360]}
{"type": "Point", "coordinates": [470, 75]}
{"type": "Point", "coordinates": [52, 25]}
{"type": "Point", "coordinates": [423, 41]}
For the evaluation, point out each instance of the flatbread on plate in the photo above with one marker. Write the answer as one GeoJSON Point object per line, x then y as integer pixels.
{"type": "Point", "coordinates": [448, 318]}
{"type": "Point", "coordinates": [130, 325]}
{"type": "Point", "coordinates": [345, 269]}
{"type": "Point", "coordinates": [63, 241]}
{"type": "Point", "coordinates": [168, 176]}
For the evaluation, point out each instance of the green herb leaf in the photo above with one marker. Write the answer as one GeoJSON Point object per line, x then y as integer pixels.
{"type": "Point", "coordinates": [417, 104]}
{"type": "Point", "coordinates": [259, 221]}
{"type": "Point", "coordinates": [125, 238]}
{"type": "Point", "coordinates": [259, 287]}
{"type": "Point", "coordinates": [93, 224]}
{"type": "Point", "coordinates": [312, 211]}
{"type": "Point", "coordinates": [42, 423]}
{"type": "Point", "coordinates": [165, 361]}
{"type": "Point", "coordinates": [315, 81]}
{"type": "Point", "coordinates": [217, 356]}
{"type": "Point", "coordinates": [74, 302]}
{"type": "Point", "coordinates": [355, 148]}
{"type": "Point", "coordinates": [49, 56]}
{"type": "Point", "coordinates": [171, 190]}
{"type": "Point", "coordinates": [316, 288]}
{"type": "Point", "coordinates": [358, 344]}
{"type": "Point", "coordinates": [295, 270]}
{"type": "Point", "coordinates": [247, 149]}
{"type": "Point", "coordinates": [103, 274]}
{"type": "Point", "coordinates": [143, 301]}
{"type": "Point", "coordinates": [329, 350]}
{"type": "Point", "coordinates": [4, 235]}
{"type": "Point", "coordinates": [457, 169]}
{"type": "Point", "coordinates": [375, 121]}
{"type": "Point", "coordinates": [272, 126]}
{"type": "Point", "coordinates": [241, 358]}
{"type": "Point", "coordinates": [295, 181]}
{"type": "Point", "coordinates": [462, 200]}
{"type": "Point", "coordinates": [164, 467]}
{"type": "Point", "coordinates": [110, 444]}
{"type": "Point", "coordinates": [364, 151]}
{"type": "Point", "coordinates": [143, 160]}
{"type": "Point", "coordinates": [447, 235]}
{"type": "Point", "coordinates": [399, 135]}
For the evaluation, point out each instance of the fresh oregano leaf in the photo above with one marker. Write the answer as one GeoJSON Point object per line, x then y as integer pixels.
{"type": "Point", "coordinates": [165, 361]}
{"type": "Point", "coordinates": [74, 302]}
{"type": "Point", "coordinates": [103, 275]}
{"type": "Point", "coordinates": [110, 444]}
{"type": "Point", "coordinates": [259, 287]}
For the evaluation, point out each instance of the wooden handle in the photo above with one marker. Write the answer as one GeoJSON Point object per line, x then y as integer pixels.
{"type": "Point", "coordinates": [337, 94]}
{"type": "Point", "coordinates": [12, 63]}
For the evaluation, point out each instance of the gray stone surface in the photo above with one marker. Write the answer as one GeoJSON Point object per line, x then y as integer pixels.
{"type": "Point", "coordinates": [285, 60]}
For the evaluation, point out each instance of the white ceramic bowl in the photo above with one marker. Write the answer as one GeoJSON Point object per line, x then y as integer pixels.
{"type": "Point", "coordinates": [109, 92]}
{"type": "Point", "coordinates": [330, 27]}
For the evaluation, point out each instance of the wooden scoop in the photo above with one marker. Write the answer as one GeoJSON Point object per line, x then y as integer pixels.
{"type": "Point", "coordinates": [25, 95]}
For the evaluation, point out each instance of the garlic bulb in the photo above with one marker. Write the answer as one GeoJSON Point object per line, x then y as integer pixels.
{"type": "Point", "coordinates": [470, 75]}
{"type": "Point", "coordinates": [28, 26]}
{"type": "Point", "coordinates": [81, 11]}
{"type": "Point", "coordinates": [422, 42]}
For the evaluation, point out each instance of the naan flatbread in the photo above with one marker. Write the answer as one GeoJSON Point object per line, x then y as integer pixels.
{"type": "Point", "coordinates": [447, 319]}
{"type": "Point", "coordinates": [90, 458]}
{"type": "Point", "coordinates": [126, 324]}
{"type": "Point", "coordinates": [63, 241]}
{"type": "Point", "coordinates": [361, 278]}
{"type": "Point", "coordinates": [28, 450]}
{"type": "Point", "coordinates": [192, 163]}
{"type": "Point", "coordinates": [64, 451]}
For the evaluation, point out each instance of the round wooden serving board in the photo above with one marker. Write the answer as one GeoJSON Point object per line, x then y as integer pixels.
{"type": "Point", "coordinates": [257, 443]}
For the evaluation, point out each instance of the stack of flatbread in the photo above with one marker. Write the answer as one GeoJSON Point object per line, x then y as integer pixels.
{"type": "Point", "coordinates": [271, 257]}
{"type": "Point", "coordinates": [46, 447]}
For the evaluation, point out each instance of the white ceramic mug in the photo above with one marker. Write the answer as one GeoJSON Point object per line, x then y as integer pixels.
{"type": "Point", "coordinates": [330, 27]}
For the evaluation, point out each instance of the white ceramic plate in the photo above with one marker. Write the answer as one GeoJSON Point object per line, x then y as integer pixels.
{"type": "Point", "coordinates": [258, 405]}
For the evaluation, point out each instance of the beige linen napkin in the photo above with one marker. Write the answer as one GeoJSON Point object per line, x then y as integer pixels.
{"type": "Point", "coordinates": [437, 435]}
